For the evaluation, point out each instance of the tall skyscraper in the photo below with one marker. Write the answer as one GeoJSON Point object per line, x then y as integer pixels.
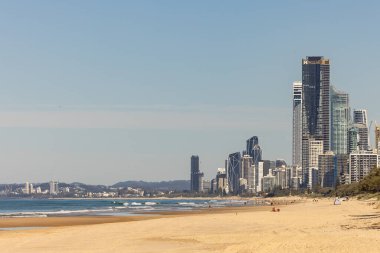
{"type": "Point", "coordinates": [248, 171]}
{"type": "Point", "coordinates": [361, 123]}
{"type": "Point", "coordinates": [340, 116]}
{"type": "Point", "coordinates": [194, 174]}
{"type": "Point", "coordinates": [257, 157]}
{"type": "Point", "coordinates": [257, 154]}
{"type": "Point", "coordinates": [251, 142]}
{"type": "Point", "coordinates": [297, 123]}
{"type": "Point", "coordinates": [259, 176]}
{"type": "Point", "coordinates": [315, 105]}
{"type": "Point", "coordinates": [246, 163]}
{"type": "Point", "coordinates": [233, 172]}
{"type": "Point", "coordinates": [254, 151]}
{"type": "Point", "coordinates": [360, 117]}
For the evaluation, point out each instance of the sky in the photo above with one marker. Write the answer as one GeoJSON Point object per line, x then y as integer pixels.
{"type": "Point", "coordinates": [107, 91]}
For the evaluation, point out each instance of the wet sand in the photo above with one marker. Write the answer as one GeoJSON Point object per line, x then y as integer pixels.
{"type": "Point", "coordinates": [66, 221]}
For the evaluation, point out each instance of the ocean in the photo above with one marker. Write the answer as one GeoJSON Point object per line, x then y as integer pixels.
{"type": "Point", "coordinates": [118, 207]}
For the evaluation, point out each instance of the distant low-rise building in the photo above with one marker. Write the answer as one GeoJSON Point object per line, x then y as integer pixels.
{"type": "Point", "coordinates": [243, 184]}
{"type": "Point", "coordinates": [53, 187]}
{"type": "Point", "coordinates": [206, 186]}
{"type": "Point", "coordinates": [38, 190]}
{"type": "Point", "coordinates": [27, 188]}
{"type": "Point", "coordinates": [361, 163]}
{"type": "Point", "coordinates": [326, 169]}
{"type": "Point", "coordinates": [282, 177]}
{"type": "Point", "coordinates": [268, 182]}
{"type": "Point", "coordinates": [213, 185]}
{"type": "Point", "coordinates": [259, 176]}
{"type": "Point", "coordinates": [221, 181]}
{"type": "Point", "coordinates": [342, 168]}
{"type": "Point", "coordinates": [312, 178]}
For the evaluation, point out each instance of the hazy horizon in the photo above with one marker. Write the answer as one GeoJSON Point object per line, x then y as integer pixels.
{"type": "Point", "coordinates": [99, 93]}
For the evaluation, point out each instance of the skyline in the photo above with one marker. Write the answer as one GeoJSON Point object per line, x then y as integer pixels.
{"type": "Point", "coordinates": [139, 91]}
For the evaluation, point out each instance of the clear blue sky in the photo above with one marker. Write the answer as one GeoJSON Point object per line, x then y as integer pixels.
{"type": "Point", "coordinates": [105, 91]}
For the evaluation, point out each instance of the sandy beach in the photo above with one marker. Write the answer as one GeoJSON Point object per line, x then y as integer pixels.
{"type": "Point", "coordinates": [306, 226]}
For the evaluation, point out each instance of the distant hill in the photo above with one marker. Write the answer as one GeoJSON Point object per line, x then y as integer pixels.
{"type": "Point", "coordinates": [175, 185]}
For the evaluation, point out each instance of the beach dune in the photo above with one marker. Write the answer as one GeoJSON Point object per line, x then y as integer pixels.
{"type": "Point", "coordinates": [307, 226]}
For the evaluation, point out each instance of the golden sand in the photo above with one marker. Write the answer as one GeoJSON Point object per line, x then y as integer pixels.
{"type": "Point", "coordinates": [308, 227]}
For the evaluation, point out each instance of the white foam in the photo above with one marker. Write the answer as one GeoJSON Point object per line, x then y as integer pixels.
{"type": "Point", "coordinates": [187, 204]}
{"type": "Point", "coordinates": [46, 213]}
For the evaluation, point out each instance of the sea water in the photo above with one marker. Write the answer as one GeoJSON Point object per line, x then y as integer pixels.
{"type": "Point", "coordinates": [119, 207]}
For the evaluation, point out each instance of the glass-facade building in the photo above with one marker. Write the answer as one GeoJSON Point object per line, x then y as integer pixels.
{"type": "Point", "coordinates": [315, 105]}
{"type": "Point", "coordinates": [362, 136]}
{"type": "Point", "coordinates": [234, 172]}
{"type": "Point", "coordinates": [360, 116]}
{"type": "Point", "coordinates": [360, 121]}
{"type": "Point", "coordinates": [248, 170]}
{"type": "Point", "coordinates": [251, 143]}
{"type": "Point", "coordinates": [340, 116]}
{"type": "Point", "coordinates": [297, 124]}
{"type": "Point", "coordinates": [194, 173]}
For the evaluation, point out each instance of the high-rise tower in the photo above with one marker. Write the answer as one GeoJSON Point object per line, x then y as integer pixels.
{"type": "Point", "coordinates": [340, 116]}
{"type": "Point", "coordinates": [363, 136]}
{"type": "Point", "coordinates": [251, 142]}
{"type": "Point", "coordinates": [360, 117]}
{"type": "Point", "coordinates": [315, 105]}
{"type": "Point", "coordinates": [234, 172]}
{"type": "Point", "coordinates": [194, 174]}
{"type": "Point", "coordinates": [361, 123]}
{"type": "Point", "coordinates": [297, 123]}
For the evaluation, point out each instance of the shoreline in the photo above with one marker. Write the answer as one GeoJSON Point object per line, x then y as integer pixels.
{"type": "Point", "coordinates": [66, 221]}
{"type": "Point", "coordinates": [159, 198]}
{"type": "Point", "coordinates": [117, 211]}
{"type": "Point", "coordinates": [306, 226]}
{"type": "Point", "coordinates": [77, 220]}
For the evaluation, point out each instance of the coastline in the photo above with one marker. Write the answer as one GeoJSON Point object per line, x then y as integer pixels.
{"type": "Point", "coordinates": [307, 226]}
{"type": "Point", "coordinates": [72, 208]}
{"type": "Point", "coordinates": [75, 220]}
